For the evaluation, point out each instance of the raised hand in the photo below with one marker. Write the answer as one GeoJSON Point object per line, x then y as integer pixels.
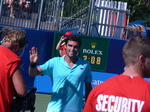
{"type": "Point", "coordinates": [62, 38]}
{"type": "Point", "coordinates": [34, 57]}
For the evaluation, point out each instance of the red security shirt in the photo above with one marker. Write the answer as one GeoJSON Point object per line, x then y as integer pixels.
{"type": "Point", "coordinates": [8, 63]}
{"type": "Point", "coordinates": [120, 94]}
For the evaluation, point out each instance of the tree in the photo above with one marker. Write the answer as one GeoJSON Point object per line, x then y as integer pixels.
{"type": "Point", "coordinates": [139, 10]}
{"type": "Point", "coordinates": [74, 6]}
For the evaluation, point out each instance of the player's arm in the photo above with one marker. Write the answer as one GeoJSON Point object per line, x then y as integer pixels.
{"type": "Point", "coordinates": [34, 71]}
{"type": "Point", "coordinates": [88, 88]}
{"type": "Point", "coordinates": [34, 57]}
{"type": "Point", "coordinates": [88, 107]}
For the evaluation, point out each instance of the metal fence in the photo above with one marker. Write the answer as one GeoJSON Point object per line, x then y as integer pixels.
{"type": "Point", "coordinates": [54, 15]}
{"type": "Point", "coordinates": [90, 17]}
{"type": "Point", "coordinates": [109, 19]}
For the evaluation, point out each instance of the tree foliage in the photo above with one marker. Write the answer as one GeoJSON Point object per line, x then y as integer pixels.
{"type": "Point", "coordinates": [139, 10]}
{"type": "Point", "coordinates": [74, 6]}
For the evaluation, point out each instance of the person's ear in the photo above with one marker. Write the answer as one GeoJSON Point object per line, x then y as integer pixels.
{"type": "Point", "coordinates": [142, 59]}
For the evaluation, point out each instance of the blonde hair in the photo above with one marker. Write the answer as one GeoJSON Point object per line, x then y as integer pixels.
{"type": "Point", "coordinates": [16, 36]}
{"type": "Point", "coordinates": [6, 30]}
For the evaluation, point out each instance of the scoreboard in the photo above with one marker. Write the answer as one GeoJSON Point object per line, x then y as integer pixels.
{"type": "Point", "coordinates": [95, 50]}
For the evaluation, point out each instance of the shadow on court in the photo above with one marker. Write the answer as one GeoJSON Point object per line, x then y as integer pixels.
{"type": "Point", "coordinates": [41, 102]}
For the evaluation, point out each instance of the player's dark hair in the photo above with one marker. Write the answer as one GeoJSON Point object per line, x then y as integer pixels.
{"type": "Point", "coordinates": [73, 38]}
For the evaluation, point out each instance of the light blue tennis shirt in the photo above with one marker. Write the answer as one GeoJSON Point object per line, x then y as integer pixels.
{"type": "Point", "coordinates": [67, 83]}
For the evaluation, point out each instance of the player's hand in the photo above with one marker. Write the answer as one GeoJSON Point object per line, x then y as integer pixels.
{"type": "Point", "coordinates": [34, 57]}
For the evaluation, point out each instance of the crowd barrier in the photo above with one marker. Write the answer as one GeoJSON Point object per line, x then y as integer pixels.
{"type": "Point", "coordinates": [110, 19]}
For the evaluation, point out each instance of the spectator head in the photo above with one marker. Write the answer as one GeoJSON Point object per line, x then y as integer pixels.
{"type": "Point", "coordinates": [16, 39]}
{"type": "Point", "coordinates": [6, 30]}
{"type": "Point", "coordinates": [67, 34]}
{"type": "Point", "coordinates": [136, 52]}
